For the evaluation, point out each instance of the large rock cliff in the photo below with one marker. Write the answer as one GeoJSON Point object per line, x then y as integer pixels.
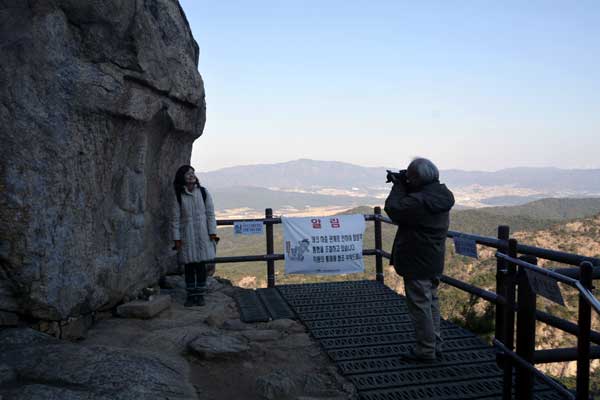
{"type": "Point", "coordinates": [100, 102]}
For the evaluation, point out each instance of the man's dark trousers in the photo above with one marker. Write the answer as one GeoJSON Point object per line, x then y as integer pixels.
{"type": "Point", "coordinates": [424, 311]}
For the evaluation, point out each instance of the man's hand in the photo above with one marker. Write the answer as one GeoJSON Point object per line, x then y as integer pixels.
{"type": "Point", "coordinates": [177, 245]}
{"type": "Point", "coordinates": [214, 238]}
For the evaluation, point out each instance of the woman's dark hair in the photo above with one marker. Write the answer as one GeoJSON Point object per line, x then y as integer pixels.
{"type": "Point", "coordinates": [179, 182]}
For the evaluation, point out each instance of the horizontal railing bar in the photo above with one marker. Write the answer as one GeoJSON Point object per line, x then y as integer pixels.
{"type": "Point", "coordinates": [222, 222]}
{"type": "Point", "coordinates": [558, 256]}
{"type": "Point", "coordinates": [274, 220]}
{"type": "Point", "coordinates": [385, 219]}
{"type": "Point", "coordinates": [524, 364]}
{"type": "Point", "coordinates": [266, 257]}
{"type": "Point", "coordinates": [261, 257]}
{"type": "Point", "coordinates": [547, 272]}
{"type": "Point", "coordinates": [576, 272]}
{"type": "Point", "coordinates": [562, 355]}
{"type": "Point", "coordinates": [385, 254]}
{"type": "Point", "coordinates": [564, 325]}
{"type": "Point", "coordinates": [483, 240]}
{"type": "Point", "coordinates": [477, 291]}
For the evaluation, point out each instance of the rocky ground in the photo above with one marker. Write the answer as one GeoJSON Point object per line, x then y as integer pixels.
{"type": "Point", "coordinates": [182, 353]}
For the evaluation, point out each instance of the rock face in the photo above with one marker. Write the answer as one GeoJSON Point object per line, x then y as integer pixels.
{"type": "Point", "coordinates": [43, 368]}
{"type": "Point", "coordinates": [100, 102]}
{"type": "Point", "coordinates": [176, 355]}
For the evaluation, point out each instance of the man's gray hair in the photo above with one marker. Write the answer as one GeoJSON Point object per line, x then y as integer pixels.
{"type": "Point", "coordinates": [425, 170]}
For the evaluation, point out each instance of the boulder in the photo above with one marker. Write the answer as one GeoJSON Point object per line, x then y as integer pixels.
{"type": "Point", "coordinates": [214, 346]}
{"type": "Point", "coordinates": [144, 308]}
{"type": "Point", "coordinates": [51, 369]}
{"type": "Point", "coordinates": [236, 325]}
{"type": "Point", "coordinates": [100, 104]}
{"type": "Point", "coordinates": [276, 385]}
{"type": "Point", "coordinates": [286, 325]}
{"type": "Point", "coordinates": [8, 319]}
{"type": "Point", "coordinates": [261, 335]}
{"type": "Point", "coordinates": [7, 374]}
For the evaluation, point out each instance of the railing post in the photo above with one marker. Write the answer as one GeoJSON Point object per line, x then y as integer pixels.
{"type": "Point", "coordinates": [269, 237]}
{"type": "Point", "coordinates": [503, 234]}
{"type": "Point", "coordinates": [378, 247]}
{"type": "Point", "coordinates": [509, 319]}
{"type": "Point", "coordinates": [583, 339]}
{"type": "Point", "coordinates": [526, 305]}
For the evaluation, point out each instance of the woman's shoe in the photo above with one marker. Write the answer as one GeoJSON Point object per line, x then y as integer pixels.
{"type": "Point", "coordinates": [189, 302]}
{"type": "Point", "coordinates": [199, 301]}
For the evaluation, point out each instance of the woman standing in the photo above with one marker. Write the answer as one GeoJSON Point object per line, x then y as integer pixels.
{"type": "Point", "coordinates": [194, 230]}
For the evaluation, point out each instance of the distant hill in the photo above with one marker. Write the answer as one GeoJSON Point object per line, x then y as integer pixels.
{"type": "Point", "coordinates": [549, 179]}
{"type": "Point", "coordinates": [535, 215]}
{"type": "Point", "coordinates": [553, 209]}
{"type": "Point", "coordinates": [309, 174]}
{"type": "Point", "coordinates": [301, 173]}
{"type": "Point", "coordinates": [509, 200]}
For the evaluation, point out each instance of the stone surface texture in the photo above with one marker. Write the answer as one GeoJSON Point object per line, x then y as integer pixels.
{"type": "Point", "coordinates": [63, 370]}
{"type": "Point", "coordinates": [175, 355]}
{"type": "Point", "coordinates": [100, 102]}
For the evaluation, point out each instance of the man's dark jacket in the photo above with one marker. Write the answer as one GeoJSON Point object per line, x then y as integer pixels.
{"type": "Point", "coordinates": [423, 218]}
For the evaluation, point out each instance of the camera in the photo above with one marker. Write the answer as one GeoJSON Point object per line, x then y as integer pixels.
{"type": "Point", "coordinates": [396, 177]}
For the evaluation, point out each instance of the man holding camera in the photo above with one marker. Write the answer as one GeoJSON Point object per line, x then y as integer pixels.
{"type": "Point", "coordinates": [419, 204]}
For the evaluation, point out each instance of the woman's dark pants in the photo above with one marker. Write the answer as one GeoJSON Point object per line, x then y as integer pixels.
{"type": "Point", "coordinates": [195, 282]}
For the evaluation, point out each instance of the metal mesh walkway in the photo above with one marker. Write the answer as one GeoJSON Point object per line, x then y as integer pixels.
{"type": "Point", "coordinates": [364, 327]}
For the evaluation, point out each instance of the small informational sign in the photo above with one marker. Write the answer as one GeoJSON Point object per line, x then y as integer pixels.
{"type": "Point", "coordinates": [545, 286]}
{"type": "Point", "coordinates": [248, 227]}
{"type": "Point", "coordinates": [324, 245]}
{"type": "Point", "coordinates": [465, 246]}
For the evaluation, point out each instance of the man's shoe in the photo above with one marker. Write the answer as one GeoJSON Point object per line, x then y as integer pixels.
{"type": "Point", "coordinates": [412, 357]}
{"type": "Point", "coordinates": [439, 354]}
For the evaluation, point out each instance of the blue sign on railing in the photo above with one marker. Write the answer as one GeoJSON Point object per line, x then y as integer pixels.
{"type": "Point", "coordinates": [545, 286]}
{"type": "Point", "coordinates": [248, 227]}
{"type": "Point", "coordinates": [465, 246]}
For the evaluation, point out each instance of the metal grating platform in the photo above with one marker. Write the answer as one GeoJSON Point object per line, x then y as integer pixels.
{"type": "Point", "coordinates": [263, 305]}
{"type": "Point", "coordinates": [364, 328]}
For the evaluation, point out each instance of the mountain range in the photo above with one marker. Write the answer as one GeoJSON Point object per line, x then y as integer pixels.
{"type": "Point", "coordinates": [308, 183]}
{"type": "Point", "coordinates": [306, 174]}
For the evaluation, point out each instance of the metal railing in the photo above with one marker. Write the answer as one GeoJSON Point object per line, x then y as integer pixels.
{"type": "Point", "coordinates": [506, 298]}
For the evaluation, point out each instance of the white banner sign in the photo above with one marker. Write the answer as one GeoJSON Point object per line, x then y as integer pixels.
{"type": "Point", "coordinates": [247, 227]}
{"type": "Point", "coordinates": [323, 245]}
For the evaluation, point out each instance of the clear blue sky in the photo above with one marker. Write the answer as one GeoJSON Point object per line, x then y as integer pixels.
{"type": "Point", "coordinates": [478, 85]}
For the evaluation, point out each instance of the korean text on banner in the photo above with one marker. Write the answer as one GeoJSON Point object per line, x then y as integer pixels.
{"type": "Point", "coordinates": [323, 245]}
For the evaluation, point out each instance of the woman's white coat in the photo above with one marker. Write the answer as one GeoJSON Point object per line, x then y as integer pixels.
{"type": "Point", "coordinates": [192, 223]}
